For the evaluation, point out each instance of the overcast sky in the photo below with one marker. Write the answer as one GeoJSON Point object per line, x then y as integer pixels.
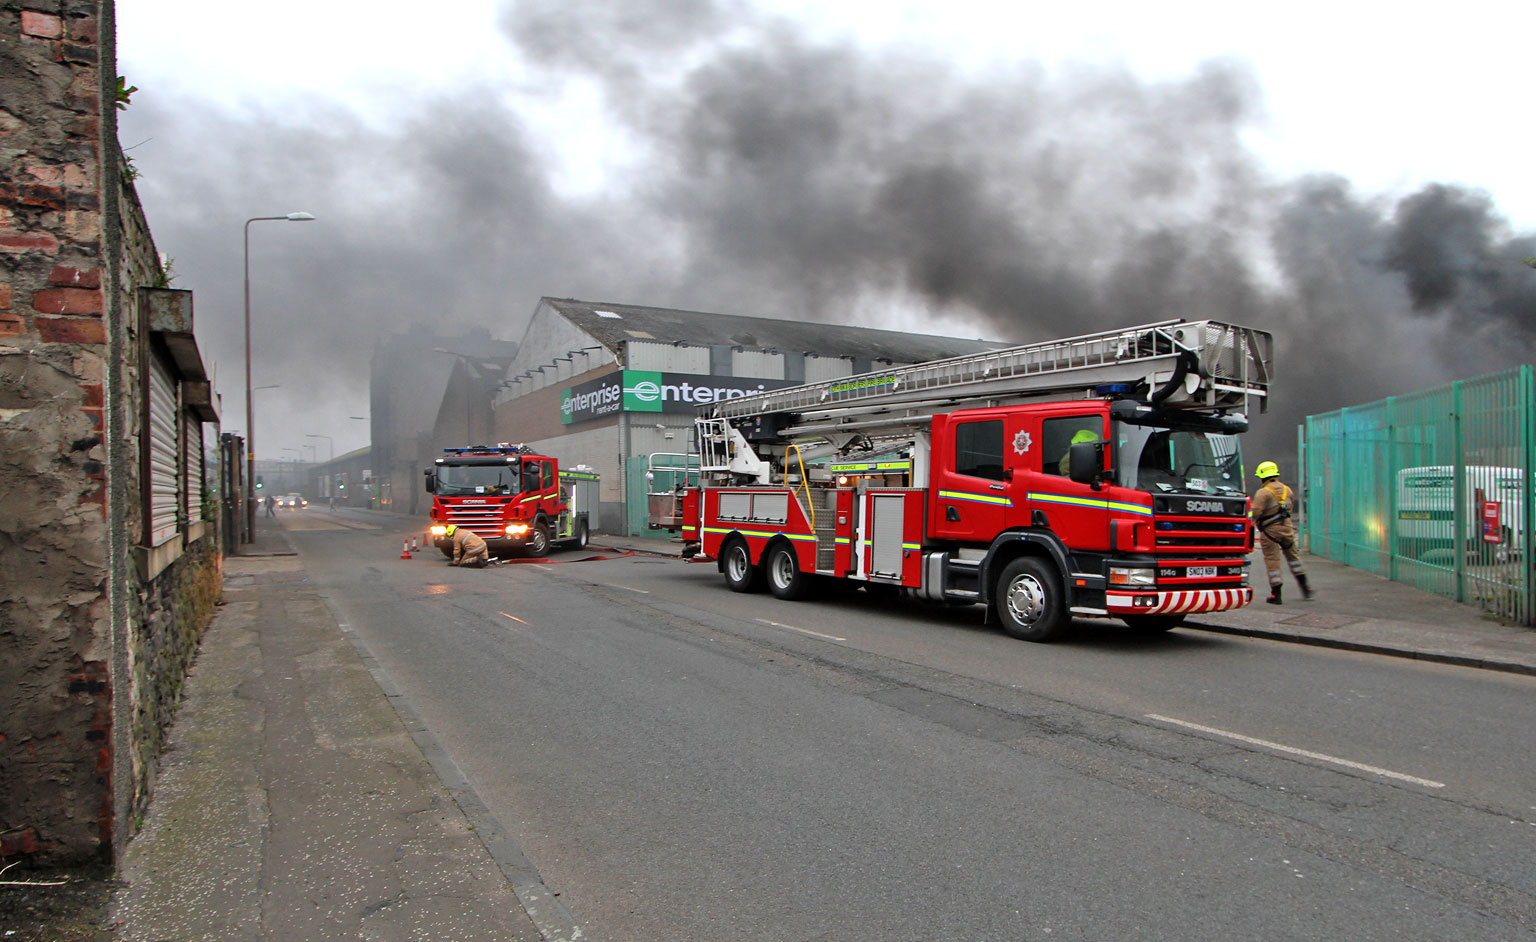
{"type": "Point", "coordinates": [1010, 171]}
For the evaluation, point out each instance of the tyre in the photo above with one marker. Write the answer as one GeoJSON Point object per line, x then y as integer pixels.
{"type": "Point", "coordinates": [785, 580]}
{"type": "Point", "coordinates": [1152, 624]}
{"type": "Point", "coordinates": [538, 540]}
{"type": "Point", "coordinates": [1030, 601]}
{"type": "Point", "coordinates": [579, 541]}
{"type": "Point", "coordinates": [736, 563]}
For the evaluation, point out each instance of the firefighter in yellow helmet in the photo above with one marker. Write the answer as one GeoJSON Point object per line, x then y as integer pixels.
{"type": "Point", "coordinates": [1273, 504]}
{"type": "Point", "coordinates": [468, 548]}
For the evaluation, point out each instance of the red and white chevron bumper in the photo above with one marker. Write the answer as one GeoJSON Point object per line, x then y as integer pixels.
{"type": "Point", "coordinates": [1177, 602]}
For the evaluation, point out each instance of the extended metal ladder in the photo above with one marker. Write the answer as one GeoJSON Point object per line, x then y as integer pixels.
{"type": "Point", "coordinates": [1223, 367]}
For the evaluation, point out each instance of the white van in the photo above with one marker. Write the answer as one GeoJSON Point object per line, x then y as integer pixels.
{"type": "Point", "coordinates": [1426, 508]}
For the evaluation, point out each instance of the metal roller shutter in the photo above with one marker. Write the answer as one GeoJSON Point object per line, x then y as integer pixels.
{"type": "Point", "coordinates": [194, 468]}
{"type": "Point", "coordinates": [164, 455]}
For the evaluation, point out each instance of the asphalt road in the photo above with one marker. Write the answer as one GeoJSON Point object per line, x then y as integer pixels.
{"type": "Point", "coordinates": [682, 762]}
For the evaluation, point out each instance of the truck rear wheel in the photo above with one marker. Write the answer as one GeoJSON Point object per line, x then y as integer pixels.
{"type": "Point", "coordinates": [736, 563]}
{"type": "Point", "coordinates": [579, 541]}
{"type": "Point", "coordinates": [1030, 601]}
{"type": "Point", "coordinates": [785, 580]}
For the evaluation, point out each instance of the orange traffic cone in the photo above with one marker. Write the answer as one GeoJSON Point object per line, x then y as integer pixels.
{"type": "Point", "coordinates": [413, 544]}
{"type": "Point", "coordinates": [405, 550]}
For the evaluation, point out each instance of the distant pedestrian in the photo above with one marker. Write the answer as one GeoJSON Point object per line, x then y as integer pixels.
{"type": "Point", "coordinates": [1273, 504]}
{"type": "Point", "coordinates": [333, 502]}
{"type": "Point", "coordinates": [271, 506]}
{"type": "Point", "coordinates": [468, 548]}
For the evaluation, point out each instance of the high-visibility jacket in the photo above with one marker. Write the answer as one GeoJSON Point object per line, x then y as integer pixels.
{"type": "Point", "coordinates": [1273, 505]}
{"type": "Point", "coordinates": [466, 542]}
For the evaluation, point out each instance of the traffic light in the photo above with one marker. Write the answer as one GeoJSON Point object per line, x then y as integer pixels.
{"type": "Point", "coordinates": [258, 482]}
{"type": "Point", "coordinates": [341, 487]}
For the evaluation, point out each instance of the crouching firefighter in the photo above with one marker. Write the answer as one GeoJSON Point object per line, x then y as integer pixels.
{"type": "Point", "coordinates": [468, 548]}
{"type": "Point", "coordinates": [1273, 504]}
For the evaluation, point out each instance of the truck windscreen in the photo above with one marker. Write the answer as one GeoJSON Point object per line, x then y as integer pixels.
{"type": "Point", "coordinates": [1162, 461]}
{"type": "Point", "coordinates": [457, 481]}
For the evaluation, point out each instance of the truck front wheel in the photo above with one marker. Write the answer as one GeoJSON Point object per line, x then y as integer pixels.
{"type": "Point", "coordinates": [1030, 601]}
{"type": "Point", "coordinates": [538, 540]}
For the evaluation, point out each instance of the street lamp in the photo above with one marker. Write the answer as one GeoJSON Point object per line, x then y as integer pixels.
{"type": "Point", "coordinates": [250, 411]}
{"type": "Point", "coordinates": [328, 439]}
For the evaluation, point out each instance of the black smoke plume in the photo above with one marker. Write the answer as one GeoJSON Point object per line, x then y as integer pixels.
{"type": "Point", "coordinates": [766, 172]}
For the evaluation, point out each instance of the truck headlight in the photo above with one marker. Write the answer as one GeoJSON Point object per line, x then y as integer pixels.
{"type": "Point", "coordinates": [516, 529]}
{"type": "Point", "coordinates": [1123, 575]}
{"type": "Point", "coordinates": [438, 529]}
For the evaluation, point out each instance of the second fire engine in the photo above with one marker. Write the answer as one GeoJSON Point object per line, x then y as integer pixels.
{"type": "Point", "coordinates": [1096, 475]}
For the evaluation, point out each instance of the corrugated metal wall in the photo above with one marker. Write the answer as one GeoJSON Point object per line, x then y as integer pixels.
{"type": "Point", "coordinates": [757, 364]}
{"type": "Point", "coordinates": [820, 369]}
{"type": "Point", "coordinates": [667, 357]}
{"type": "Point", "coordinates": [1432, 489]}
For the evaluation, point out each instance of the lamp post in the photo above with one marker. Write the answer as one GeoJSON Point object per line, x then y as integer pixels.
{"type": "Point", "coordinates": [250, 411]}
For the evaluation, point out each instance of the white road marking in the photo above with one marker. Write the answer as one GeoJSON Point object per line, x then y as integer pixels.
{"type": "Point", "coordinates": [513, 617]}
{"type": "Point", "coordinates": [628, 589]}
{"type": "Point", "coordinates": [1292, 750]}
{"type": "Point", "coordinates": [804, 631]}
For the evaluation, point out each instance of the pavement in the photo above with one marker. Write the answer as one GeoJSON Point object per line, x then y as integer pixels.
{"type": "Point", "coordinates": [300, 798]}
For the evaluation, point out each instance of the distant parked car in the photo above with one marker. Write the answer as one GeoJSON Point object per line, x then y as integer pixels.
{"type": "Point", "coordinates": [296, 501]}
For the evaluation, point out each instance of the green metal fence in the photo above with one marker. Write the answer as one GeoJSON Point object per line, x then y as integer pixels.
{"type": "Point", "coordinates": [1432, 489]}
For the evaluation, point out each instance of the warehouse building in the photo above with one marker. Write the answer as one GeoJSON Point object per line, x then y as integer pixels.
{"type": "Point", "coordinates": [616, 386]}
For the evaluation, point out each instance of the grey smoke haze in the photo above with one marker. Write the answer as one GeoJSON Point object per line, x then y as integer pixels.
{"type": "Point", "coordinates": [770, 173]}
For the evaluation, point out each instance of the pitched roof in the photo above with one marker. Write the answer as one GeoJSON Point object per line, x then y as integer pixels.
{"type": "Point", "coordinates": [612, 324]}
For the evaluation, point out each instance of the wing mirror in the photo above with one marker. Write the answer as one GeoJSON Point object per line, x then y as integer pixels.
{"type": "Point", "coordinates": [1085, 463]}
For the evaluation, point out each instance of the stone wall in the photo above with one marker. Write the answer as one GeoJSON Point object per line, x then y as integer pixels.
{"type": "Point", "coordinates": [55, 620]}
{"type": "Point", "coordinates": [97, 641]}
{"type": "Point", "coordinates": [172, 612]}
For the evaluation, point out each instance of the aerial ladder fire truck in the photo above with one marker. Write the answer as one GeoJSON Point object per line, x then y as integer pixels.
{"type": "Point", "coordinates": [1097, 475]}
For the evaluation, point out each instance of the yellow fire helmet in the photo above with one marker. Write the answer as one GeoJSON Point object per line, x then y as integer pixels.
{"type": "Point", "coordinates": [1085, 435]}
{"type": "Point", "coordinates": [448, 530]}
{"type": "Point", "coordinates": [1267, 469]}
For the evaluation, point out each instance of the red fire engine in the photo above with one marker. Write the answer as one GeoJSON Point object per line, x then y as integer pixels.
{"type": "Point", "coordinates": [1096, 475]}
{"type": "Point", "coordinates": [516, 500]}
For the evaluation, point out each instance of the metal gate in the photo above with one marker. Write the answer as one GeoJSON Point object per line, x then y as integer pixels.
{"type": "Point", "coordinates": [1431, 489]}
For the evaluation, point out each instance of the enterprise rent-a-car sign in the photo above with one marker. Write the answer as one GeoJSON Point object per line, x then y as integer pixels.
{"type": "Point", "coordinates": [651, 391]}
